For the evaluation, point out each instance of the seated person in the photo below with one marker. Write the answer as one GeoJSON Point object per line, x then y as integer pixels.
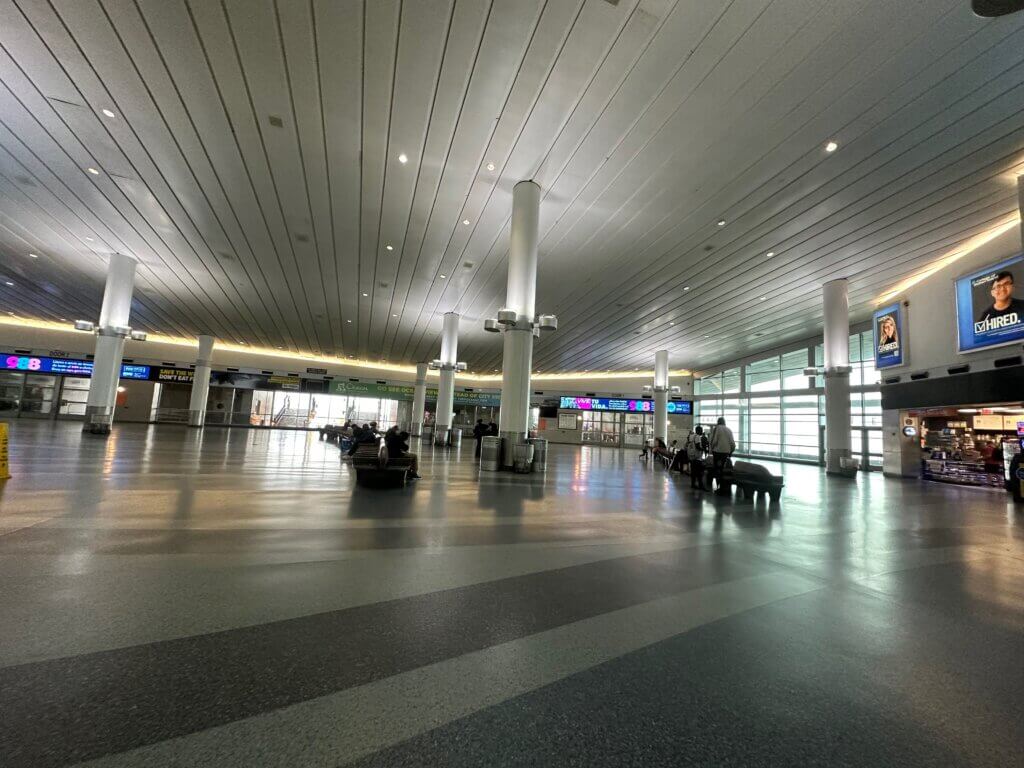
{"type": "Point", "coordinates": [660, 449]}
{"type": "Point", "coordinates": [398, 448]}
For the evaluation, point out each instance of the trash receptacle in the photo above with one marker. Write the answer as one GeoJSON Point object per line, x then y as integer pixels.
{"type": "Point", "coordinates": [440, 436]}
{"type": "Point", "coordinates": [427, 434]}
{"type": "Point", "coordinates": [540, 453]}
{"type": "Point", "coordinates": [455, 437]}
{"type": "Point", "coordinates": [490, 453]}
{"type": "Point", "coordinates": [522, 457]}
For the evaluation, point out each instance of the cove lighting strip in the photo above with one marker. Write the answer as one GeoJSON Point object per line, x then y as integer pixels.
{"type": "Point", "coordinates": [409, 370]}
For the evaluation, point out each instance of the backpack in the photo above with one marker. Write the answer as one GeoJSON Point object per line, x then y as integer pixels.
{"type": "Point", "coordinates": [693, 449]}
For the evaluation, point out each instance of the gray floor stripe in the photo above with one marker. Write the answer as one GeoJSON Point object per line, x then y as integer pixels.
{"type": "Point", "coordinates": [355, 722]}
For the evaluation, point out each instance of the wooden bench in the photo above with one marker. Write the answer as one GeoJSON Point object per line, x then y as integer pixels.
{"type": "Point", "coordinates": [752, 479]}
{"type": "Point", "coordinates": [375, 469]}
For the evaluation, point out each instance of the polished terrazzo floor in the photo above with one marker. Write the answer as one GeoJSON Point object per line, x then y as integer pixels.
{"type": "Point", "coordinates": [174, 597]}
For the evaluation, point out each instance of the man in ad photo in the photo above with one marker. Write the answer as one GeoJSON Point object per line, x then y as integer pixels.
{"type": "Point", "coordinates": [1003, 302]}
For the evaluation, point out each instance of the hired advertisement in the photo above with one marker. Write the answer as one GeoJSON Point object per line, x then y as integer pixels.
{"type": "Point", "coordinates": [990, 306]}
{"type": "Point", "coordinates": [890, 336]}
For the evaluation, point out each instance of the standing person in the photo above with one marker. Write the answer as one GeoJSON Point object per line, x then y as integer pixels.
{"type": "Point", "coordinates": [722, 447]}
{"type": "Point", "coordinates": [492, 429]}
{"type": "Point", "coordinates": [478, 434]}
{"type": "Point", "coordinates": [696, 450]}
{"type": "Point", "coordinates": [398, 448]}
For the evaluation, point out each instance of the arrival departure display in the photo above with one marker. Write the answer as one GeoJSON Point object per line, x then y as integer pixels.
{"type": "Point", "coordinates": [684, 407]}
{"type": "Point", "coordinates": [64, 367]}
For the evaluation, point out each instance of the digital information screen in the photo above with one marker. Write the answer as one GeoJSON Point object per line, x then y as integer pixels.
{"type": "Point", "coordinates": [890, 336]}
{"type": "Point", "coordinates": [684, 407]}
{"type": "Point", "coordinates": [64, 367]}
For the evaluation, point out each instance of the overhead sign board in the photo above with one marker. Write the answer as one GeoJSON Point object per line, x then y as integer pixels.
{"type": "Point", "coordinates": [684, 407]}
{"type": "Point", "coordinates": [62, 366]}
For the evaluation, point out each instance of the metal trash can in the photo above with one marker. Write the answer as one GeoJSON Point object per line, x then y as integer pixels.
{"type": "Point", "coordinates": [427, 433]}
{"type": "Point", "coordinates": [540, 453]}
{"type": "Point", "coordinates": [522, 458]}
{"type": "Point", "coordinates": [440, 436]}
{"type": "Point", "coordinates": [455, 437]}
{"type": "Point", "coordinates": [490, 453]}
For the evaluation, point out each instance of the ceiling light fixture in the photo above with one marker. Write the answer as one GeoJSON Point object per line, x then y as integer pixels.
{"type": "Point", "coordinates": [88, 238]}
{"type": "Point", "coordinates": [831, 146]}
{"type": "Point", "coordinates": [402, 158]}
{"type": "Point", "coordinates": [389, 247]}
{"type": "Point", "coordinates": [93, 171]}
{"type": "Point", "coordinates": [764, 298]}
{"type": "Point", "coordinates": [442, 277]}
{"type": "Point", "coordinates": [348, 321]}
{"type": "Point", "coordinates": [686, 288]}
{"type": "Point", "coordinates": [671, 323]}
{"type": "Point", "coordinates": [721, 222]}
{"type": "Point", "coordinates": [490, 167]}
{"type": "Point", "coordinates": [8, 283]}
{"type": "Point", "coordinates": [769, 254]}
{"type": "Point", "coordinates": [366, 294]}
{"type": "Point", "coordinates": [108, 112]}
{"type": "Point", "coordinates": [394, 315]}
{"type": "Point", "coordinates": [33, 255]}
{"type": "Point", "coordinates": [465, 222]}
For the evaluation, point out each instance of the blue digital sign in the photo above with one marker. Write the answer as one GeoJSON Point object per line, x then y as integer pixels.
{"type": "Point", "coordinates": [684, 407]}
{"type": "Point", "coordinates": [890, 336]}
{"type": "Point", "coordinates": [62, 366]}
{"type": "Point", "coordinates": [990, 306]}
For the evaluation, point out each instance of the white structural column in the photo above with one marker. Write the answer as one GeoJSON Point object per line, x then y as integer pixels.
{"type": "Point", "coordinates": [446, 385]}
{"type": "Point", "coordinates": [419, 400]}
{"type": "Point", "coordinates": [517, 355]}
{"type": "Point", "coordinates": [201, 382]}
{"type": "Point", "coordinates": [837, 375]}
{"type": "Point", "coordinates": [110, 335]}
{"type": "Point", "coordinates": [661, 394]}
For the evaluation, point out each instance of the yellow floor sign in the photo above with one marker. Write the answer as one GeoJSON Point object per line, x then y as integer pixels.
{"type": "Point", "coordinates": [5, 470]}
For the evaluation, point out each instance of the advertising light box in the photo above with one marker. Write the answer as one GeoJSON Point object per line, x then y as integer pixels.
{"type": "Point", "coordinates": [890, 336]}
{"type": "Point", "coordinates": [61, 366]}
{"type": "Point", "coordinates": [990, 306]}
{"type": "Point", "coordinates": [623, 405]}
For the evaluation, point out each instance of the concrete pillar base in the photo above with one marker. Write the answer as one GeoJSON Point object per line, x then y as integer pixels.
{"type": "Point", "coordinates": [196, 418]}
{"type": "Point", "coordinates": [508, 439]}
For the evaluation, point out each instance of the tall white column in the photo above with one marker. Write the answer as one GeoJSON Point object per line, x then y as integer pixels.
{"type": "Point", "coordinates": [446, 385]}
{"type": "Point", "coordinates": [517, 358]}
{"type": "Point", "coordinates": [419, 399]}
{"type": "Point", "coordinates": [661, 394]}
{"type": "Point", "coordinates": [837, 375]}
{"type": "Point", "coordinates": [110, 335]}
{"type": "Point", "coordinates": [200, 383]}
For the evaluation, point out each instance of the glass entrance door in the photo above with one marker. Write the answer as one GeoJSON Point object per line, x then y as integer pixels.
{"type": "Point", "coordinates": [74, 393]}
{"type": "Point", "coordinates": [38, 397]}
{"type": "Point", "coordinates": [602, 428]}
{"type": "Point", "coordinates": [637, 428]}
{"type": "Point", "coordinates": [10, 392]}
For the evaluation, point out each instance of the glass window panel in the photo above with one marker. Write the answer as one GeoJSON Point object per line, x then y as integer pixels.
{"type": "Point", "coordinates": [710, 385]}
{"type": "Point", "coordinates": [764, 436]}
{"type": "Point", "coordinates": [793, 364]}
{"type": "Point", "coordinates": [763, 375]}
{"type": "Point", "coordinates": [731, 381]}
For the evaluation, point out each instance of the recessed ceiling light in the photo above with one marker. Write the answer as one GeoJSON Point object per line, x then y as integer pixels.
{"type": "Point", "coordinates": [93, 171]}
{"type": "Point", "coordinates": [671, 323]}
{"type": "Point", "coordinates": [465, 222]}
{"type": "Point", "coordinates": [108, 112]}
{"type": "Point", "coordinates": [442, 277]}
{"type": "Point", "coordinates": [764, 298]}
{"type": "Point", "coordinates": [490, 167]}
{"type": "Point", "coordinates": [11, 314]}
{"type": "Point", "coordinates": [348, 321]}
{"type": "Point", "coordinates": [721, 222]}
{"type": "Point", "coordinates": [366, 294]}
{"type": "Point", "coordinates": [390, 247]}
{"type": "Point", "coordinates": [34, 255]}
{"type": "Point", "coordinates": [402, 158]}
{"type": "Point", "coordinates": [8, 282]}
{"type": "Point", "coordinates": [831, 147]}
{"type": "Point", "coordinates": [63, 319]}
{"type": "Point", "coordinates": [280, 347]}
{"type": "Point", "coordinates": [394, 315]}
{"type": "Point", "coordinates": [89, 239]}
{"type": "Point", "coordinates": [769, 254]}
{"type": "Point", "coordinates": [686, 287]}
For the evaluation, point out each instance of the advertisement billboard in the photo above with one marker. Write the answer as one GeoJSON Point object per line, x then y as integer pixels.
{"type": "Point", "coordinates": [990, 306]}
{"type": "Point", "coordinates": [617, 404]}
{"type": "Point", "coordinates": [63, 366]}
{"type": "Point", "coordinates": [890, 336]}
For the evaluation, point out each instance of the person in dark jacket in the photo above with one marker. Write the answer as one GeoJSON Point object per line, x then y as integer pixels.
{"type": "Point", "coordinates": [398, 448]}
{"type": "Point", "coordinates": [478, 434]}
{"type": "Point", "coordinates": [492, 429]}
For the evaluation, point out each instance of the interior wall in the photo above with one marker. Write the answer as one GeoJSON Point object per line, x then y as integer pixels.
{"type": "Point", "coordinates": [135, 403]}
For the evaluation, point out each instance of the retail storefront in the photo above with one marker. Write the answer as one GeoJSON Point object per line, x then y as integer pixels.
{"type": "Point", "coordinates": [968, 446]}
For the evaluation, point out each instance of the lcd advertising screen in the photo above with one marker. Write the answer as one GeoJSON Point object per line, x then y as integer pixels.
{"type": "Point", "coordinates": [616, 404]}
{"type": "Point", "coordinates": [890, 336]}
{"type": "Point", "coordinates": [62, 366]}
{"type": "Point", "coordinates": [990, 306]}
